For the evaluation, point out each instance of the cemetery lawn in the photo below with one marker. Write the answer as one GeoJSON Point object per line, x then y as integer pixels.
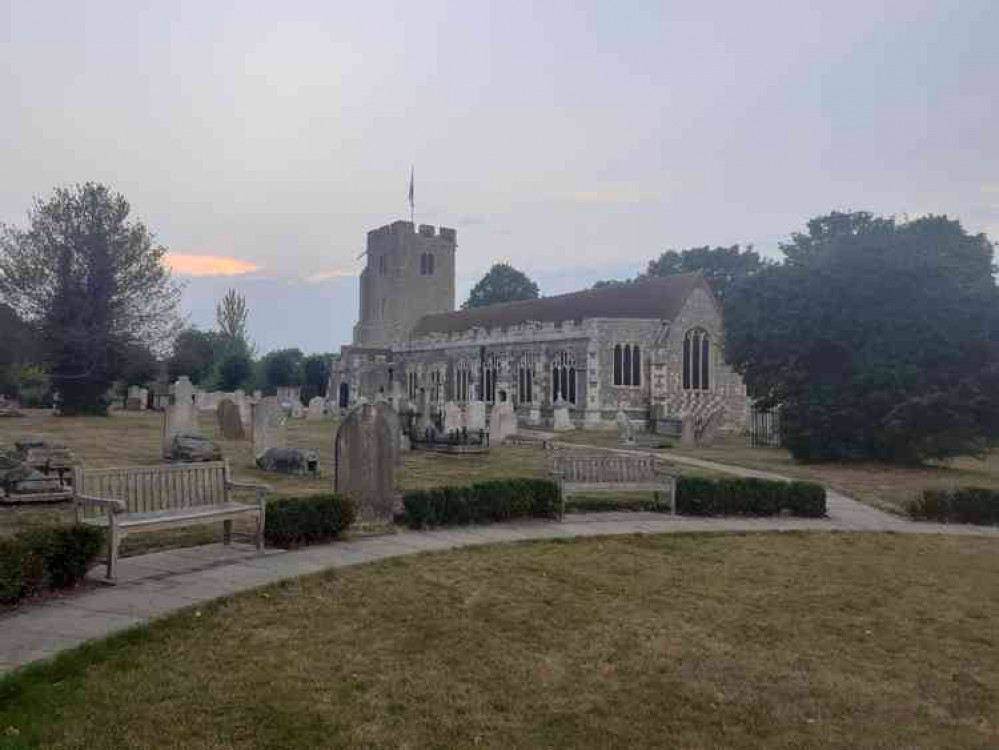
{"type": "Point", "coordinates": [884, 486]}
{"type": "Point", "coordinates": [686, 641]}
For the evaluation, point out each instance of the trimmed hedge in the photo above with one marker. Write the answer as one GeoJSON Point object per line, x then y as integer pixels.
{"type": "Point", "coordinates": [310, 519]}
{"type": "Point", "coordinates": [483, 502]}
{"type": "Point", "coordinates": [975, 505]}
{"type": "Point", "coordinates": [48, 557]}
{"type": "Point", "coordinates": [698, 496]}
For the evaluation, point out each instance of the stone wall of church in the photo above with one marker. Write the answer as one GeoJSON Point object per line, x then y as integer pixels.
{"type": "Point", "coordinates": [409, 273]}
{"type": "Point", "coordinates": [725, 387]}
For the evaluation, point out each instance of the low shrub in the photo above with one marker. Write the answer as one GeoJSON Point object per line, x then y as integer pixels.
{"type": "Point", "coordinates": [700, 496]}
{"type": "Point", "coordinates": [975, 505]}
{"type": "Point", "coordinates": [48, 557]}
{"type": "Point", "coordinates": [484, 502]}
{"type": "Point", "coordinates": [310, 519]}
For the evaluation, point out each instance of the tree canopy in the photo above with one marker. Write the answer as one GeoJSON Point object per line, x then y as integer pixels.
{"type": "Point", "coordinates": [723, 267]}
{"type": "Point", "coordinates": [282, 367]}
{"type": "Point", "coordinates": [502, 283]}
{"type": "Point", "coordinates": [878, 339]}
{"type": "Point", "coordinates": [231, 314]}
{"type": "Point", "coordinates": [93, 281]}
{"type": "Point", "coordinates": [194, 355]}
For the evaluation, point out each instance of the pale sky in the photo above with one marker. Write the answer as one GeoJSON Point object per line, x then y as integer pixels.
{"type": "Point", "coordinates": [576, 140]}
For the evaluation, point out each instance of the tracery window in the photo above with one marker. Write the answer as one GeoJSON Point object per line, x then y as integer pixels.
{"type": "Point", "coordinates": [525, 378]}
{"type": "Point", "coordinates": [696, 360]}
{"type": "Point", "coordinates": [564, 377]}
{"type": "Point", "coordinates": [461, 380]}
{"type": "Point", "coordinates": [490, 375]}
{"type": "Point", "coordinates": [436, 386]}
{"type": "Point", "coordinates": [627, 364]}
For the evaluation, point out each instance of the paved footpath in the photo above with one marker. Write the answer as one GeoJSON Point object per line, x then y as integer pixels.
{"type": "Point", "coordinates": [156, 584]}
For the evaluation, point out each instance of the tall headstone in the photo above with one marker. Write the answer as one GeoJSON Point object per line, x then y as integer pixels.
{"type": "Point", "coordinates": [561, 422]}
{"type": "Point", "coordinates": [270, 426]}
{"type": "Point", "coordinates": [502, 422]}
{"type": "Point", "coordinates": [453, 418]}
{"type": "Point", "coordinates": [243, 404]}
{"type": "Point", "coordinates": [425, 422]}
{"type": "Point", "coordinates": [625, 430]}
{"type": "Point", "coordinates": [230, 420]}
{"type": "Point", "coordinates": [181, 416]}
{"type": "Point", "coordinates": [316, 408]}
{"type": "Point", "coordinates": [475, 416]}
{"type": "Point", "coordinates": [365, 452]}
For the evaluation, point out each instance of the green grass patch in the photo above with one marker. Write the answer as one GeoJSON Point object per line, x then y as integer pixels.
{"type": "Point", "coordinates": [686, 641]}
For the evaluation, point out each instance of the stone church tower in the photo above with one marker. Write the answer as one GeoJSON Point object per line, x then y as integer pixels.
{"type": "Point", "coordinates": [410, 273]}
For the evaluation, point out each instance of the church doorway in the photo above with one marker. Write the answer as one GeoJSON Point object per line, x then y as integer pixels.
{"type": "Point", "coordinates": [344, 395]}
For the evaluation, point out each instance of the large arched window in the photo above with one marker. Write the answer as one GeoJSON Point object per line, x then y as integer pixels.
{"type": "Point", "coordinates": [490, 375]}
{"type": "Point", "coordinates": [627, 364]}
{"type": "Point", "coordinates": [461, 381]}
{"type": "Point", "coordinates": [564, 377]}
{"type": "Point", "coordinates": [525, 379]}
{"type": "Point", "coordinates": [696, 360]}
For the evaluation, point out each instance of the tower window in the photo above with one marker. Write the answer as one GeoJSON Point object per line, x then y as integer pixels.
{"type": "Point", "coordinates": [426, 264]}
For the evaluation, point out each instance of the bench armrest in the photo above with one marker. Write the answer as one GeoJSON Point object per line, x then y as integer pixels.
{"type": "Point", "coordinates": [115, 506]}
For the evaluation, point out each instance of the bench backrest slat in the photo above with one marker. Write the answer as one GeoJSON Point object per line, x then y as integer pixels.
{"type": "Point", "coordinates": [613, 468]}
{"type": "Point", "coordinates": [146, 489]}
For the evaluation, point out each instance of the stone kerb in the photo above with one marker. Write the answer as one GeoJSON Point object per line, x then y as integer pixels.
{"type": "Point", "coordinates": [366, 453]}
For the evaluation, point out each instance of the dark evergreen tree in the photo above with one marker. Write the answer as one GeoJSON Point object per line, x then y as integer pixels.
{"type": "Point", "coordinates": [502, 283]}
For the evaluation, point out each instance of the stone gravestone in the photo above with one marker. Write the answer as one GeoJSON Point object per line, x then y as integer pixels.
{"type": "Point", "coordinates": [181, 416]}
{"type": "Point", "coordinates": [475, 417]}
{"type": "Point", "coordinates": [688, 431]}
{"type": "Point", "coordinates": [365, 452]}
{"type": "Point", "coordinates": [534, 416]}
{"type": "Point", "coordinates": [136, 399]}
{"type": "Point", "coordinates": [561, 421]}
{"type": "Point", "coordinates": [453, 418]}
{"type": "Point", "coordinates": [425, 422]}
{"type": "Point", "coordinates": [243, 404]}
{"type": "Point", "coordinates": [270, 426]}
{"type": "Point", "coordinates": [625, 430]}
{"type": "Point", "coordinates": [316, 408]}
{"type": "Point", "coordinates": [502, 422]}
{"type": "Point", "coordinates": [230, 420]}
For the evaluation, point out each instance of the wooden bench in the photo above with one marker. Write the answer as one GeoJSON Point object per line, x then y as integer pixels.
{"type": "Point", "coordinates": [150, 498]}
{"type": "Point", "coordinates": [590, 471]}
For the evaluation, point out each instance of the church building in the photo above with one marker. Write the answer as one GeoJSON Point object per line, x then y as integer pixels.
{"type": "Point", "coordinates": [652, 347]}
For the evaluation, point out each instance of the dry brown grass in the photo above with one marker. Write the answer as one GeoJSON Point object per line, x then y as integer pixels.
{"type": "Point", "coordinates": [776, 641]}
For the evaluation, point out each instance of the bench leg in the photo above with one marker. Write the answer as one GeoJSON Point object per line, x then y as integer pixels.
{"type": "Point", "coordinates": [113, 541]}
{"type": "Point", "coordinates": [227, 532]}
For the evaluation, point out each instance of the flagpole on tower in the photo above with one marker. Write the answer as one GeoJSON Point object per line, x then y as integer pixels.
{"type": "Point", "coordinates": [411, 172]}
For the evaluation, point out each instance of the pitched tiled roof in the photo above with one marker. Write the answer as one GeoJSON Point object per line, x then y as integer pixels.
{"type": "Point", "coordinates": [657, 298]}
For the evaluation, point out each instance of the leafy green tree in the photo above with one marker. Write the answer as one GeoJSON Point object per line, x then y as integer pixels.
{"type": "Point", "coordinates": [136, 364]}
{"type": "Point", "coordinates": [502, 283]}
{"type": "Point", "coordinates": [92, 280]}
{"type": "Point", "coordinates": [723, 267]}
{"type": "Point", "coordinates": [235, 370]}
{"type": "Point", "coordinates": [315, 375]}
{"type": "Point", "coordinates": [231, 314]}
{"type": "Point", "coordinates": [17, 349]}
{"type": "Point", "coordinates": [879, 340]}
{"type": "Point", "coordinates": [282, 367]}
{"type": "Point", "coordinates": [194, 354]}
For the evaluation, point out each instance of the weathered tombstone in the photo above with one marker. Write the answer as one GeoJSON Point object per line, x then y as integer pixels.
{"type": "Point", "coordinates": [316, 408]}
{"type": "Point", "coordinates": [534, 416]}
{"type": "Point", "coordinates": [393, 431]}
{"type": "Point", "coordinates": [136, 399]}
{"type": "Point", "coordinates": [561, 422]}
{"type": "Point", "coordinates": [688, 431]}
{"type": "Point", "coordinates": [230, 420]}
{"type": "Point", "coordinates": [453, 418]}
{"type": "Point", "coordinates": [243, 404]}
{"type": "Point", "coordinates": [475, 416]}
{"type": "Point", "coordinates": [502, 422]}
{"type": "Point", "coordinates": [297, 412]}
{"type": "Point", "coordinates": [365, 454]}
{"type": "Point", "coordinates": [625, 430]}
{"type": "Point", "coordinates": [425, 422]}
{"type": "Point", "coordinates": [181, 416]}
{"type": "Point", "coordinates": [290, 461]}
{"type": "Point", "coordinates": [193, 448]}
{"type": "Point", "coordinates": [270, 426]}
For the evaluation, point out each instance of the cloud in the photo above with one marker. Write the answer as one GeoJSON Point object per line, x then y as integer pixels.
{"type": "Point", "coordinates": [335, 273]}
{"type": "Point", "coordinates": [209, 265]}
{"type": "Point", "coordinates": [611, 195]}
